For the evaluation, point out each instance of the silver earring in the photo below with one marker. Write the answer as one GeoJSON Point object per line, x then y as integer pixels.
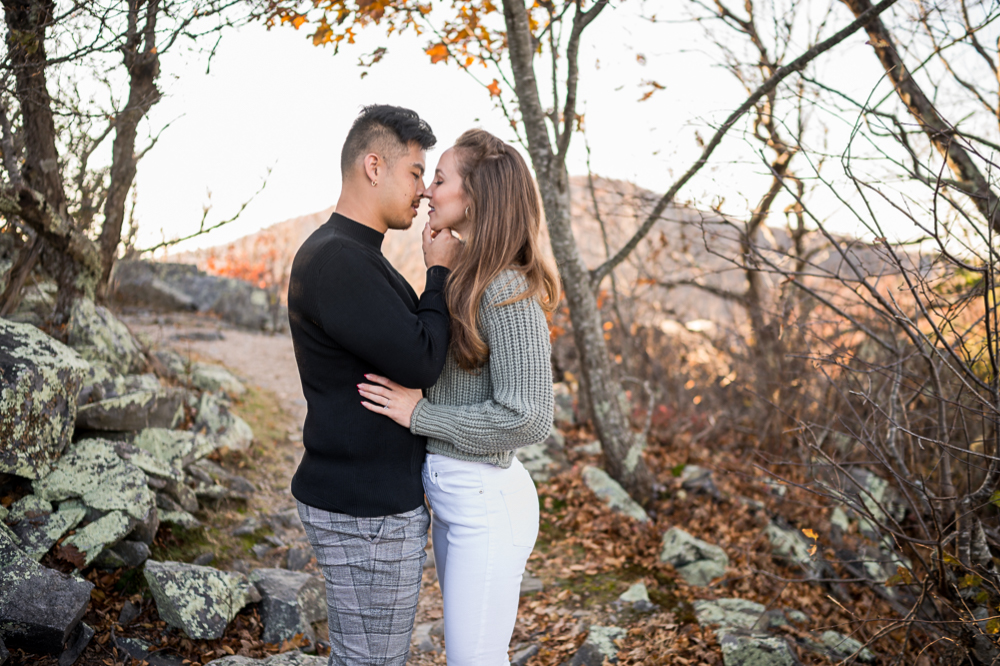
{"type": "Point", "coordinates": [466, 212]}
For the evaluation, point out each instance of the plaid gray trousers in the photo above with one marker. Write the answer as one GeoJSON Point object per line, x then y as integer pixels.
{"type": "Point", "coordinates": [373, 568]}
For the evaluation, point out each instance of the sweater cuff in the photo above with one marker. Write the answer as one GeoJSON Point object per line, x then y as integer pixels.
{"type": "Point", "coordinates": [416, 414]}
{"type": "Point", "coordinates": [436, 277]}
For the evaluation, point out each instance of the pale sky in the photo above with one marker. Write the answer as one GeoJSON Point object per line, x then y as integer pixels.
{"type": "Point", "coordinates": [273, 100]}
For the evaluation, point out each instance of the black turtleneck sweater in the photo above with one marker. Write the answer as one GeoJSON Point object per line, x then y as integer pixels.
{"type": "Point", "coordinates": [352, 313]}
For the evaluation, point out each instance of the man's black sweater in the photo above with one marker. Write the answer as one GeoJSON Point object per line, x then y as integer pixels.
{"type": "Point", "coordinates": [352, 313]}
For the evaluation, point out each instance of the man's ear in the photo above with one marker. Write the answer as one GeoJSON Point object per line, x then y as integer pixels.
{"type": "Point", "coordinates": [373, 167]}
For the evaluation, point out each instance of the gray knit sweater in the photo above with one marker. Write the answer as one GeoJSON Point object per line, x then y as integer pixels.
{"type": "Point", "coordinates": [484, 416]}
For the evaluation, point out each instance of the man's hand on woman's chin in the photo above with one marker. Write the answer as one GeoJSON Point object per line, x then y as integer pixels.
{"type": "Point", "coordinates": [441, 248]}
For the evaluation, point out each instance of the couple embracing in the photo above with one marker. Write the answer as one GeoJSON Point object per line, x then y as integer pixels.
{"type": "Point", "coordinates": [412, 396]}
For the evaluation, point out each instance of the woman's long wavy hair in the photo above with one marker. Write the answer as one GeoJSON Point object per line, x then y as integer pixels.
{"type": "Point", "coordinates": [506, 221]}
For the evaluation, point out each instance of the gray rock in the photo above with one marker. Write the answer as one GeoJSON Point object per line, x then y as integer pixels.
{"type": "Point", "coordinates": [76, 644]}
{"type": "Point", "coordinates": [174, 448]}
{"type": "Point", "coordinates": [173, 364]}
{"type": "Point", "coordinates": [290, 603]}
{"type": "Point", "coordinates": [564, 411]}
{"type": "Point", "coordinates": [139, 651]}
{"type": "Point", "coordinates": [637, 596]}
{"type": "Point", "coordinates": [611, 493]}
{"type": "Point", "coordinates": [92, 471]}
{"type": "Point", "coordinates": [181, 519]}
{"type": "Point", "coordinates": [129, 612]}
{"type": "Point", "coordinates": [839, 647]}
{"type": "Point", "coordinates": [129, 553]}
{"type": "Point", "coordinates": [422, 640]}
{"type": "Point", "coordinates": [544, 459]}
{"type": "Point", "coordinates": [98, 336]}
{"type": "Point", "coordinates": [742, 648]}
{"type": "Point", "coordinates": [531, 584]}
{"type": "Point", "coordinates": [729, 613]}
{"type": "Point", "coordinates": [39, 381]}
{"type": "Point", "coordinates": [204, 560]}
{"type": "Point", "coordinates": [4, 654]}
{"type": "Point", "coordinates": [214, 378]}
{"type": "Point", "coordinates": [593, 448]}
{"type": "Point", "coordinates": [142, 409]}
{"type": "Point", "coordinates": [104, 532]}
{"type": "Point", "coordinates": [215, 482]}
{"type": "Point", "coordinates": [521, 657]}
{"type": "Point", "coordinates": [697, 561]}
{"type": "Point", "coordinates": [39, 607]}
{"type": "Point", "coordinates": [248, 526]}
{"type": "Point", "coordinates": [145, 530]}
{"type": "Point", "coordinates": [791, 546]}
{"type": "Point", "coordinates": [290, 658]}
{"type": "Point", "coordinates": [699, 480]}
{"type": "Point", "coordinates": [298, 558]}
{"type": "Point", "coordinates": [200, 601]}
{"type": "Point", "coordinates": [181, 287]}
{"type": "Point", "coordinates": [261, 550]}
{"type": "Point", "coordinates": [37, 527]}
{"type": "Point", "coordinates": [598, 647]}
{"type": "Point", "coordinates": [139, 283]}
{"type": "Point", "coordinates": [227, 429]}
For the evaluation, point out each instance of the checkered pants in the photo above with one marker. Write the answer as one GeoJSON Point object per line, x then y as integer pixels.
{"type": "Point", "coordinates": [373, 569]}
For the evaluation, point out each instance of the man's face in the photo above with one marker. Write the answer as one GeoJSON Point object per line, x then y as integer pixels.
{"type": "Point", "coordinates": [402, 187]}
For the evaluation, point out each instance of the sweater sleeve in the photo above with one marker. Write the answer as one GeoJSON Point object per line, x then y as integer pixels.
{"type": "Point", "coordinates": [362, 312]}
{"type": "Point", "coordinates": [520, 410]}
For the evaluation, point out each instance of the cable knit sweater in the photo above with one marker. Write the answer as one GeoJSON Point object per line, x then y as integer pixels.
{"type": "Point", "coordinates": [483, 416]}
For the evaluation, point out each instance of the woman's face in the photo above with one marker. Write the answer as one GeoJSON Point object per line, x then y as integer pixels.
{"type": "Point", "coordinates": [447, 197]}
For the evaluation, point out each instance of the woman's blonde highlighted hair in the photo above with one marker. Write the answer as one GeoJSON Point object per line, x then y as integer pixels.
{"type": "Point", "coordinates": [506, 213]}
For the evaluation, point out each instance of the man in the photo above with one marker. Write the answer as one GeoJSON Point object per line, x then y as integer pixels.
{"type": "Point", "coordinates": [358, 486]}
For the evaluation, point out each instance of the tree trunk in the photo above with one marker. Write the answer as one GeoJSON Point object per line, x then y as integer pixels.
{"type": "Point", "coordinates": [970, 180]}
{"type": "Point", "coordinates": [42, 197]}
{"type": "Point", "coordinates": [622, 448]}
{"type": "Point", "coordinates": [143, 65]}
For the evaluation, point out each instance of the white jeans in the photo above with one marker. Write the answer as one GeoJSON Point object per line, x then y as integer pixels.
{"type": "Point", "coordinates": [485, 521]}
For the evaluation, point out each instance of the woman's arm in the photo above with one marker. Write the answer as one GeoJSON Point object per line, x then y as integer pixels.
{"type": "Point", "coordinates": [520, 411]}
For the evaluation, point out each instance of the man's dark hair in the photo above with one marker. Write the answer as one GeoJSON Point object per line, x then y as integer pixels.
{"type": "Point", "coordinates": [386, 131]}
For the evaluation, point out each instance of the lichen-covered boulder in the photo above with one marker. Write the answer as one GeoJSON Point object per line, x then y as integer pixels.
{"type": "Point", "coordinates": [790, 545]}
{"type": "Point", "coordinates": [599, 647]}
{"type": "Point", "coordinates": [730, 613]}
{"type": "Point", "coordinates": [106, 531]}
{"type": "Point", "coordinates": [544, 459]}
{"type": "Point", "coordinates": [698, 562]}
{"type": "Point", "coordinates": [175, 448]}
{"type": "Point", "coordinates": [123, 554]}
{"type": "Point", "coordinates": [39, 382]}
{"type": "Point", "coordinates": [180, 518]}
{"type": "Point", "coordinates": [219, 423]}
{"type": "Point", "coordinates": [33, 520]}
{"type": "Point", "coordinates": [290, 603]}
{"type": "Point", "coordinates": [198, 600]}
{"type": "Point", "coordinates": [611, 493]}
{"type": "Point", "coordinates": [99, 336]}
{"type": "Point", "coordinates": [637, 596]}
{"type": "Point", "coordinates": [290, 658]}
{"type": "Point", "coordinates": [39, 607]}
{"type": "Point", "coordinates": [211, 377]}
{"type": "Point", "coordinates": [839, 647]}
{"type": "Point", "coordinates": [742, 648]}
{"type": "Point", "coordinates": [92, 471]}
{"type": "Point", "coordinates": [213, 481]}
{"type": "Point", "coordinates": [160, 408]}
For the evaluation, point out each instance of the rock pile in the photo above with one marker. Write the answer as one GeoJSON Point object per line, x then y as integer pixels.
{"type": "Point", "coordinates": [97, 452]}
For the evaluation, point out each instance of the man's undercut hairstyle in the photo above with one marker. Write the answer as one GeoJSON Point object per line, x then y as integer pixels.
{"type": "Point", "coordinates": [386, 131]}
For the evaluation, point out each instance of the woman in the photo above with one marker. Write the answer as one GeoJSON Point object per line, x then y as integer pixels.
{"type": "Point", "coordinates": [494, 395]}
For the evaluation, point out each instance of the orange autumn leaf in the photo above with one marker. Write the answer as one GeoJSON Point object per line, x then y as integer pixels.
{"type": "Point", "coordinates": [494, 88]}
{"type": "Point", "coordinates": [438, 52]}
{"type": "Point", "coordinates": [298, 21]}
